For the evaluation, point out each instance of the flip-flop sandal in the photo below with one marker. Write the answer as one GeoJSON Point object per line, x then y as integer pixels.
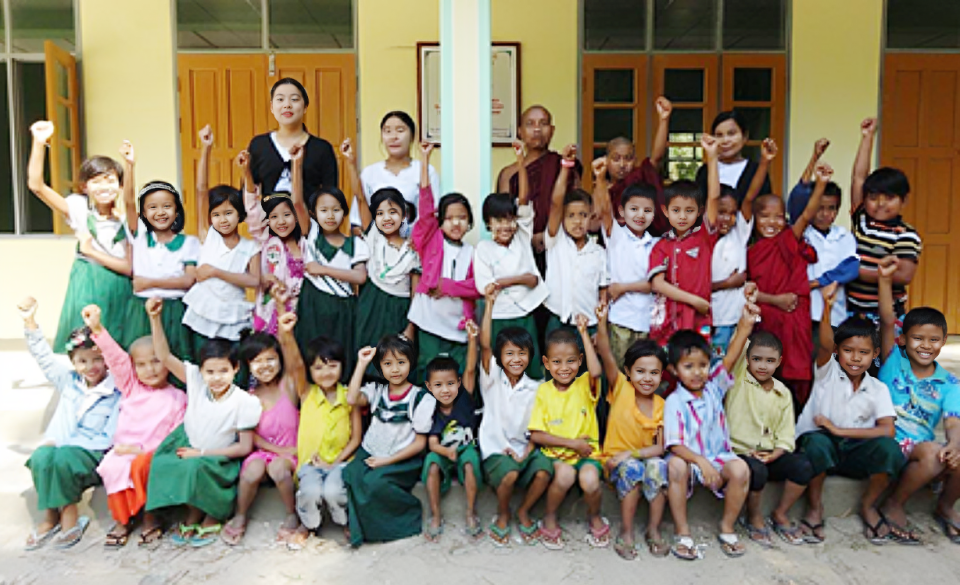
{"type": "Point", "coordinates": [433, 533]}
{"type": "Point", "coordinates": [184, 534]}
{"type": "Point", "coordinates": [790, 534]}
{"type": "Point", "coordinates": [599, 537]}
{"type": "Point", "coordinates": [759, 536]}
{"type": "Point", "coordinates": [684, 548]}
{"type": "Point", "coordinates": [299, 539]}
{"type": "Point", "coordinates": [150, 535]}
{"type": "Point", "coordinates": [947, 525]}
{"type": "Point", "coordinates": [35, 541]}
{"type": "Point", "coordinates": [114, 541]}
{"type": "Point", "coordinates": [731, 546]}
{"type": "Point", "coordinates": [530, 535]}
{"type": "Point", "coordinates": [475, 531]}
{"type": "Point", "coordinates": [658, 547]}
{"type": "Point", "coordinates": [69, 538]}
{"type": "Point", "coordinates": [499, 536]}
{"type": "Point", "coordinates": [231, 534]}
{"type": "Point", "coordinates": [901, 535]}
{"type": "Point", "coordinates": [201, 539]}
{"type": "Point", "coordinates": [872, 532]}
{"type": "Point", "coordinates": [810, 535]}
{"type": "Point", "coordinates": [551, 539]}
{"type": "Point", "coordinates": [625, 551]}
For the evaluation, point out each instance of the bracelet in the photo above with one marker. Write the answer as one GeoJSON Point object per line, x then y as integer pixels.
{"type": "Point", "coordinates": [635, 454]}
{"type": "Point", "coordinates": [569, 164]}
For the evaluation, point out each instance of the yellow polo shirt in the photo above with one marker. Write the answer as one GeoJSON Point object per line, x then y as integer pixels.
{"type": "Point", "coordinates": [324, 427]}
{"type": "Point", "coordinates": [570, 414]}
{"type": "Point", "coordinates": [628, 429]}
{"type": "Point", "coordinates": [758, 419]}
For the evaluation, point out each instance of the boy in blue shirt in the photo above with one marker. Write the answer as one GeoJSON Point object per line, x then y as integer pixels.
{"type": "Point", "coordinates": [923, 392]}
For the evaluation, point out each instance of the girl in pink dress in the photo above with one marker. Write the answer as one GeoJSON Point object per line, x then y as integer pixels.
{"type": "Point", "coordinates": [279, 380]}
{"type": "Point", "coordinates": [150, 408]}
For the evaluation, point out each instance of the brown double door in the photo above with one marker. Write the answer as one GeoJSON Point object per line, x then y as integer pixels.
{"type": "Point", "coordinates": [232, 94]}
{"type": "Point", "coordinates": [920, 134]}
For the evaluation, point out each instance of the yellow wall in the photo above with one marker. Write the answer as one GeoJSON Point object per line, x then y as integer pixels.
{"type": "Point", "coordinates": [37, 267]}
{"type": "Point", "coordinates": [834, 81]}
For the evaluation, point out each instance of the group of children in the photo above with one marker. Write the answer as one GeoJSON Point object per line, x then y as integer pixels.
{"type": "Point", "coordinates": [359, 376]}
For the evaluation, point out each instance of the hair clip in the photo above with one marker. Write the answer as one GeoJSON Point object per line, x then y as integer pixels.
{"type": "Point", "coordinates": [283, 194]}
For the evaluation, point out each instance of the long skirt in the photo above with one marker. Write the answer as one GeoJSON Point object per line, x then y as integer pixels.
{"type": "Point", "coordinates": [319, 313]}
{"type": "Point", "coordinates": [179, 337]}
{"type": "Point", "coordinates": [92, 284]}
{"type": "Point", "coordinates": [378, 314]}
{"type": "Point", "coordinates": [62, 474]}
{"type": "Point", "coordinates": [381, 505]}
{"type": "Point", "coordinates": [208, 483]}
{"type": "Point", "coordinates": [125, 504]}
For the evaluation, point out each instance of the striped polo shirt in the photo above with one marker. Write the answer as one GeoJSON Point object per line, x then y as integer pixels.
{"type": "Point", "coordinates": [876, 239]}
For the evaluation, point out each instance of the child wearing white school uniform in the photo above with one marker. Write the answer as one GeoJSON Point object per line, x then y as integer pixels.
{"type": "Point", "coordinates": [506, 263]}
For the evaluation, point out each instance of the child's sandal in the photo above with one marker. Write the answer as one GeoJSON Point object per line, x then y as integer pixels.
{"type": "Point", "coordinates": [201, 539]}
{"type": "Point", "coordinates": [499, 536]}
{"type": "Point", "coordinates": [35, 541]}
{"type": "Point", "coordinates": [625, 551]}
{"type": "Point", "coordinates": [552, 539]}
{"type": "Point", "coordinates": [530, 535]}
{"type": "Point", "coordinates": [684, 548]}
{"type": "Point", "coordinates": [433, 533]}
{"type": "Point", "coordinates": [658, 547]}
{"type": "Point", "coordinates": [789, 533]}
{"type": "Point", "coordinates": [599, 537]}
{"type": "Point", "coordinates": [184, 534]}
{"type": "Point", "coordinates": [730, 545]}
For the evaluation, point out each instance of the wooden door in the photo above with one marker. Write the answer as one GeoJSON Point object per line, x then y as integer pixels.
{"type": "Point", "coordinates": [920, 134]}
{"type": "Point", "coordinates": [614, 103]}
{"type": "Point", "coordinates": [63, 94]}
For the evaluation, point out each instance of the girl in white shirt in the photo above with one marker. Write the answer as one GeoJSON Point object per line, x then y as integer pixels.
{"type": "Point", "coordinates": [393, 269]}
{"type": "Point", "coordinates": [505, 263]}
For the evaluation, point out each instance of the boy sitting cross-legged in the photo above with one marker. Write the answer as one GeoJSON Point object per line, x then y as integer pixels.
{"type": "Point", "coordinates": [696, 434]}
{"type": "Point", "coordinates": [923, 393]}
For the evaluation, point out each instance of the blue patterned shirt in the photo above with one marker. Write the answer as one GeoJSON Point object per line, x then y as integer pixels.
{"type": "Point", "coordinates": [700, 424]}
{"type": "Point", "coordinates": [920, 404]}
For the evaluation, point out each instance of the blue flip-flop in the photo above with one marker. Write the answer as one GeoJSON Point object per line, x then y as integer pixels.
{"type": "Point", "coordinates": [69, 538]}
{"type": "Point", "coordinates": [38, 540]}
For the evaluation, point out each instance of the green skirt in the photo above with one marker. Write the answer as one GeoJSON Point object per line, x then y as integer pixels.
{"type": "Point", "coordinates": [92, 284]}
{"type": "Point", "coordinates": [379, 313]}
{"type": "Point", "coordinates": [430, 346]}
{"type": "Point", "coordinates": [319, 313]}
{"type": "Point", "coordinates": [381, 505]}
{"type": "Point", "coordinates": [207, 483]}
{"type": "Point", "coordinates": [62, 474]}
{"type": "Point", "coordinates": [527, 323]}
{"type": "Point", "coordinates": [179, 337]}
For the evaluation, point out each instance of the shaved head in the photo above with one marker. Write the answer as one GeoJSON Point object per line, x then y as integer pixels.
{"type": "Point", "coordinates": [142, 344]}
{"type": "Point", "coordinates": [536, 107]}
{"type": "Point", "coordinates": [618, 142]}
{"type": "Point", "coordinates": [764, 200]}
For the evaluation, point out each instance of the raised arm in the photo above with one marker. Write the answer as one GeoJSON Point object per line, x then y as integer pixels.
{"type": "Point", "coordinates": [659, 152]}
{"type": "Point", "coordinates": [129, 159]}
{"type": "Point", "coordinates": [560, 189]}
{"type": "Point", "coordinates": [610, 368]}
{"type": "Point", "coordinates": [819, 147]}
{"type": "Point", "coordinates": [744, 328]}
{"type": "Point", "coordinates": [355, 397]}
{"type": "Point", "coordinates": [486, 330]}
{"type": "Point", "coordinates": [824, 173]}
{"type": "Point", "coordinates": [154, 307]}
{"type": "Point", "coordinates": [593, 362]}
{"type": "Point", "coordinates": [523, 180]}
{"type": "Point", "coordinates": [710, 144]}
{"type": "Point", "coordinates": [825, 349]}
{"type": "Point", "coordinates": [470, 368]}
{"type": "Point", "coordinates": [293, 367]}
{"type": "Point", "coordinates": [888, 318]}
{"type": "Point", "coordinates": [203, 182]}
{"type": "Point", "coordinates": [53, 369]}
{"type": "Point", "coordinates": [768, 153]}
{"type": "Point", "coordinates": [601, 195]}
{"type": "Point", "coordinates": [359, 197]}
{"type": "Point", "coordinates": [296, 186]}
{"type": "Point", "coordinates": [861, 165]}
{"type": "Point", "coordinates": [117, 360]}
{"type": "Point", "coordinates": [42, 131]}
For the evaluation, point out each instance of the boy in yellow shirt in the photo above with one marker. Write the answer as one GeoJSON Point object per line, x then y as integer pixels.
{"type": "Point", "coordinates": [564, 424]}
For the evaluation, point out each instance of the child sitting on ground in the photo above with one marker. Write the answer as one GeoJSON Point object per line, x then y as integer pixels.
{"type": "Point", "coordinates": [760, 414]}
{"type": "Point", "coordinates": [564, 424]}
{"type": "Point", "coordinates": [509, 457]}
{"type": "Point", "coordinates": [680, 262]}
{"type": "Point", "coordinates": [633, 447]}
{"type": "Point", "coordinates": [79, 433]}
{"type": "Point", "coordinates": [923, 394]}
{"type": "Point", "coordinates": [847, 426]}
{"type": "Point", "coordinates": [697, 438]}
{"type": "Point", "coordinates": [453, 438]}
{"type": "Point", "coordinates": [150, 409]}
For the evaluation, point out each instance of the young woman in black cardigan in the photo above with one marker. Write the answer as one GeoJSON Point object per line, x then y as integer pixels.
{"type": "Point", "coordinates": [270, 153]}
{"type": "Point", "coordinates": [730, 130]}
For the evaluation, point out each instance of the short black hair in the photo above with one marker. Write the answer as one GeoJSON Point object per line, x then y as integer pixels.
{"type": "Point", "coordinates": [80, 338]}
{"type": "Point", "coordinates": [642, 348]}
{"type": "Point", "coordinates": [452, 199]}
{"type": "Point", "coordinates": [682, 188]}
{"type": "Point", "coordinates": [887, 181]}
{"type": "Point", "coordinates": [333, 192]}
{"type": "Point", "coordinates": [517, 336]}
{"type": "Point", "coordinates": [561, 336]}
{"type": "Point", "coordinates": [253, 344]}
{"type": "Point", "coordinates": [639, 191]}
{"type": "Point", "coordinates": [272, 203]}
{"type": "Point", "coordinates": [216, 349]}
{"type": "Point", "coordinates": [217, 195]}
{"type": "Point", "coordinates": [857, 327]}
{"type": "Point", "coordinates": [924, 316]}
{"type": "Point", "coordinates": [833, 190]}
{"type": "Point", "coordinates": [498, 206]}
{"type": "Point", "coordinates": [577, 196]}
{"type": "Point", "coordinates": [403, 117]}
{"type": "Point", "coordinates": [325, 349]}
{"type": "Point", "coordinates": [397, 345]}
{"type": "Point", "coordinates": [739, 119]}
{"type": "Point", "coordinates": [441, 363]}
{"type": "Point", "coordinates": [99, 165]}
{"type": "Point", "coordinates": [294, 83]}
{"type": "Point", "coordinates": [727, 191]}
{"type": "Point", "coordinates": [685, 342]}
{"type": "Point", "coordinates": [386, 194]}
{"type": "Point", "coordinates": [155, 186]}
{"type": "Point", "coordinates": [765, 339]}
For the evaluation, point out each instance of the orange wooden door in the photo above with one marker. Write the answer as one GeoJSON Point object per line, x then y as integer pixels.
{"type": "Point", "coordinates": [63, 98]}
{"type": "Point", "coordinates": [920, 134]}
{"type": "Point", "coordinates": [230, 93]}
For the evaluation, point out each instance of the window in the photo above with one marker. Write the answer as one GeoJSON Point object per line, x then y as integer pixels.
{"type": "Point", "coordinates": [240, 24]}
{"type": "Point", "coordinates": [684, 25]}
{"type": "Point", "coordinates": [615, 25]}
{"type": "Point", "coordinates": [23, 101]}
{"type": "Point", "coordinates": [923, 24]}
